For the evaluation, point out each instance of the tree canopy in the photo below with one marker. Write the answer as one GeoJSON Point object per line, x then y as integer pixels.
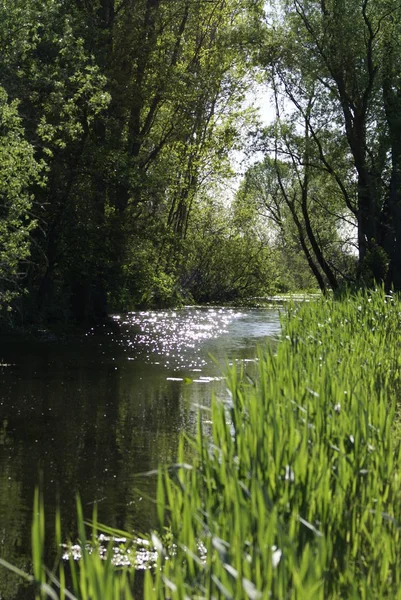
{"type": "Point", "coordinates": [333, 67]}
{"type": "Point", "coordinates": [118, 121]}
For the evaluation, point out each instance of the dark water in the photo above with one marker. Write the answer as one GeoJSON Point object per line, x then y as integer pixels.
{"type": "Point", "coordinates": [90, 414]}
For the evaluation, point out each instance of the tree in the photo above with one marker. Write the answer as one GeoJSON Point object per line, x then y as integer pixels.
{"type": "Point", "coordinates": [339, 50]}
{"type": "Point", "coordinates": [60, 90]}
{"type": "Point", "coordinates": [176, 93]}
{"type": "Point", "coordinates": [134, 106]}
{"type": "Point", "coordinates": [228, 257]}
{"type": "Point", "coordinates": [18, 172]}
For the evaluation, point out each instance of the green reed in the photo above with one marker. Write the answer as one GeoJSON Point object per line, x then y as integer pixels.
{"type": "Point", "coordinates": [295, 492]}
{"type": "Point", "coordinates": [92, 577]}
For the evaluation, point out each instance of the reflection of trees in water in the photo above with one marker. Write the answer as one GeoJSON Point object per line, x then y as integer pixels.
{"type": "Point", "coordinates": [88, 430]}
{"type": "Point", "coordinates": [90, 420]}
{"type": "Point", "coordinates": [14, 535]}
{"type": "Point", "coordinates": [151, 418]}
{"type": "Point", "coordinates": [62, 427]}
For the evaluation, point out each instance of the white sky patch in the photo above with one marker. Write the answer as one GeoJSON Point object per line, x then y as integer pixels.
{"type": "Point", "coordinates": [261, 99]}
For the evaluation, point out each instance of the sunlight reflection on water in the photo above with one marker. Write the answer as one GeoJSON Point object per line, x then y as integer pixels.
{"type": "Point", "coordinates": [92, 413]}
{"type": "Point", "coordinates": [174, 336]}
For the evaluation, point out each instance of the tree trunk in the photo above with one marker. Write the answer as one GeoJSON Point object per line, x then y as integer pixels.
{"type": "Point", "coordinates": [392, 99]}
{"type": "Point", "coordinates": [301, 236]}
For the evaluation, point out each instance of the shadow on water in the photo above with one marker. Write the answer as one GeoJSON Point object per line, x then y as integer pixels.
{"type": "Point", "coordinates": [88, 415]}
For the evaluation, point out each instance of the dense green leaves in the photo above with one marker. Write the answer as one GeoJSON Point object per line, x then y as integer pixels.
{"type": "Point", "coordinates": [18, 172]}
{"type": "Point", "coordinates": [229, 258]}
{"type": "Point", "coordinates": [134, 107]}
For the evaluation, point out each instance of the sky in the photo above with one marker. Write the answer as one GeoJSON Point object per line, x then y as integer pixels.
{"type": "Point", "coordinates": [260, 99]}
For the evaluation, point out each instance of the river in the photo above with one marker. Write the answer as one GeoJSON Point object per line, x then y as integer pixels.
{"type": "Point", "coordinates": [91, 414]}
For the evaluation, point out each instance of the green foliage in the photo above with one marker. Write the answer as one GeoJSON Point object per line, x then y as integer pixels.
{"type": "Point", "coordinates": [58, 84]}
{"type": "Point", "coordinates": [135, 114]}
{"type": "Point", "coordinates": [60, 93]}
{"type": "Point", "coordinates": [223, 258]}
{"type": "Point", "coordinates": [145, 279]}
{"type": "Point", "coordinates": [226, 257]}
{"type": "Point", "coordinates": [18, 171]}
{"type": "Point", "coordinates": [133, 111]}
{"type": "Point", "coordinates": [334, 70]}
{"type": "Point", "coordinates": [296, 495]}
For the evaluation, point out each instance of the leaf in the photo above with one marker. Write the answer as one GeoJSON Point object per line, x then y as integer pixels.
{"type": "Point", "coordinates": [250, 589]}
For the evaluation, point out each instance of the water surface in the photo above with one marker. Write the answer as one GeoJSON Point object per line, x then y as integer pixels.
{"type": "Point", "coordinates": [89, 414]}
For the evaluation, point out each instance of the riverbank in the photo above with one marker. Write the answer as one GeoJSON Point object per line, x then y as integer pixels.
{"type": "Point", "coordinates": [297, 495]}
{"type": "Point", "coordinates": [270, 302]}
{"type": "Point", "coordinates": [294, 490]}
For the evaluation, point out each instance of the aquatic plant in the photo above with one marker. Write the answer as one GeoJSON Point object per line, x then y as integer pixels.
{"type": "Point", "coordinates": [94, 576]}
{"type": "Point", "coordinates": [296, 493]}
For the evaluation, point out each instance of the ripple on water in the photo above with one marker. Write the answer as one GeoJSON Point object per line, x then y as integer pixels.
{"type": "Point", "coordinates": [173, 335]}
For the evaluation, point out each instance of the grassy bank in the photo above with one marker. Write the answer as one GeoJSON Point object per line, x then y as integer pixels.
{"type": "Point", "coordinates": [295, 493]}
